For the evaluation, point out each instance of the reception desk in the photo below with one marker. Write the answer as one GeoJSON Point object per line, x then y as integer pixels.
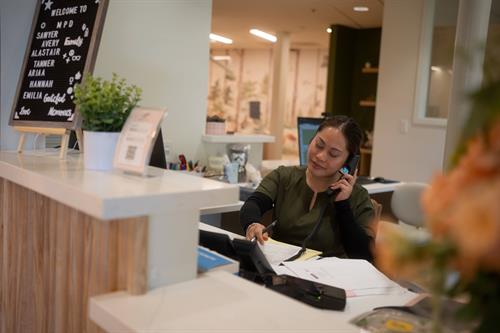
{"type": "Point", "coordinates": [67, 233]}
{"type": "Point", "coordinates": [222, 302]}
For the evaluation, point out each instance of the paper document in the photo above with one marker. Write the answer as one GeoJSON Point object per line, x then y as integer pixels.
{"type": "Point", "coordinates": [357, 277]}
{"type": "Point", "coordinates": [283, 270]}
{"type": "Point", "coordinates": [276, 252]}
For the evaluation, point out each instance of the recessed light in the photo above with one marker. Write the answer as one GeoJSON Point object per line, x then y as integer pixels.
{"type": "Point", "coordinates": [360, 8]}
{"type": "Point", "coordinates": [221, 39]}
{"type": "Point", "coordinates": [329, 30]}
{"type": "Point", "coordinates": [262, 34]}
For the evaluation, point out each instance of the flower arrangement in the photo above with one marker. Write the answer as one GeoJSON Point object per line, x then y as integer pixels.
{"type": "Point", "coordinates": [461, 258]}
{"type": "Point", "coordinates": [105, 105]}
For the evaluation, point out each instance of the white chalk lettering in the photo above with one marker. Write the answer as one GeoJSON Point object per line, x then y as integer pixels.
{"type": "Point", "coordinates": [47, 34]}
{"type": "Point", "coordinates": [36, 72]}
{"type": "Point", "coordinates": [53, 98]}
{"type": "Point", "coordinates": [59, 113]}
{"type": "Point", "coordinates": [77, 41]}
{"type": "Point", "coordinates": [50, 43]}
{"type": "Point", "coordinates": [44, 63]}
{"type": "Point", "coordinates": [41, 84]}
{"type": "Point", "coordinates": [45, 52]}
{"type": "Point", "coordinates": [64, 24]}
{"type": "Point", "coordinates": [32, 95]}
{"type": "Point", "coordinates": [64, 11]}
{"type": "Point", "coordinates": [24, 112]}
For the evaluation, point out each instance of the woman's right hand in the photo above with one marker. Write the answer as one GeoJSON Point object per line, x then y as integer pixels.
{"type": "Point", "coordinates": [255, 230]}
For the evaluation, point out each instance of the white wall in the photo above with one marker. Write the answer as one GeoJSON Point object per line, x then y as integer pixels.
{"type": "Point", "coordinates": [163, 47]}
{"type": "Point", "coordinates": [417, 154]}
{"type": "Point", "coordinates": [15, 25]}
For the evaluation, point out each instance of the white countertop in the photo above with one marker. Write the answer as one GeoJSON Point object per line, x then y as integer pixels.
{"type": "Point", "coordinates": [380, 188]}
{"type": "Point", "coordinates": [238, 138]}
{"type": "Point", "coordinates": [221, 302]}
{"type": "Point", "coordinates": [222, 208]}
{"type": "Point", "coordinates": [112, 194]}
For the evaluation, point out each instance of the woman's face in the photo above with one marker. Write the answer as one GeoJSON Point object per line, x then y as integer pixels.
{"type": "Point", "coordinates": [327, 152]}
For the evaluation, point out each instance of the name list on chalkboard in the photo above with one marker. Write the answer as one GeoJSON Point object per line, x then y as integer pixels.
{"type": "Point", "coordinates": [56, 60]}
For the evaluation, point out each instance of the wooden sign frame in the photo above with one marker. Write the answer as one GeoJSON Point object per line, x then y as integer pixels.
{"type": "Point", "coordinates": [57, 127]}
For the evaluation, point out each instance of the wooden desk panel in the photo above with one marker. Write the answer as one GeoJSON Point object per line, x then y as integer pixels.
{"type": "Point", "coordinates": [53, 258]}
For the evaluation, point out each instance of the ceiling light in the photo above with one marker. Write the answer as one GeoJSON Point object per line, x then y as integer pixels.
{"type": "Point", "coordinates": [264, 35]}
{"type": "Point", "coordinates": [360, 8]}
{"type": "Point", "coordinates": [221, 58]}
{"type": "Point", "coordinates": [436, 68]}
{"type": "Point", "coordinates": [220, 39]}
{"type": "Point", "coordinates": [329, 30]}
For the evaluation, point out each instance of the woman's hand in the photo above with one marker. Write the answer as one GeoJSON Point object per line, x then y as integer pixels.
{"type": "Point", "coordinates": [345, 185]}
{"type": "Point", "coordinates": [255, 230]}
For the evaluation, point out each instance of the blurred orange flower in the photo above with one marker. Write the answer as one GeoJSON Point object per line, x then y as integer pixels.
{"type": "Point", "coordinates": [462, 215]}
{"type": "Point", "coordinates": [462, 208]}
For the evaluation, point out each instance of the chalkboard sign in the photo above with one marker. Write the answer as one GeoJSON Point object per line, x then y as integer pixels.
{"type": "Point", "coordinates": [64, 39]}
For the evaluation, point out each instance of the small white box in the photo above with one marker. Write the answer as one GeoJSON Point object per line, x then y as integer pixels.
{"type": "Point", "coordinates": [215, 128]}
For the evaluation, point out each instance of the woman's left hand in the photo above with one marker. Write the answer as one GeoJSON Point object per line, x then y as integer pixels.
{"type": "Point", "coordinates": [345, 185]}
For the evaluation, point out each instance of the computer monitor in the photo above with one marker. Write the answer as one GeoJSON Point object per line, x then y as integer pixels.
{"type": "Point", "coordinates": [307, 128]}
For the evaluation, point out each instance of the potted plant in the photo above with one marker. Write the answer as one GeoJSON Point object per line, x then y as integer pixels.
{"type": "Point", "coordinates": [215, 125]}
{"type": "Point", "coordinates": [104, 106]}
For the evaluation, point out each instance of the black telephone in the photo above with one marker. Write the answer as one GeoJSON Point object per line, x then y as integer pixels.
{"type": "Point", "coordinates": [349, 167]}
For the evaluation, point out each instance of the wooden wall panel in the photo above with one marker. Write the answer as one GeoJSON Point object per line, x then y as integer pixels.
{"type": "Point", "coordinates": [53, 258]}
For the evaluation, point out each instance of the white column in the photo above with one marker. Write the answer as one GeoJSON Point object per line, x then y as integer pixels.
{"type": "Point", "coordinates": [172, 247]}
{"type": "Point", "coordinates": [281, 53]}
{"type": "Point", "coordinates": [472, 30]}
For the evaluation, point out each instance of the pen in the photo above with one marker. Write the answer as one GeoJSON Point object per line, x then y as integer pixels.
{"type": "Point", "coordinates": [267, 229]}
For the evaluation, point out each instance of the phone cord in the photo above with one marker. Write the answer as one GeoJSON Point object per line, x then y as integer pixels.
{"type": "Point", "coordinates": [312, 233]}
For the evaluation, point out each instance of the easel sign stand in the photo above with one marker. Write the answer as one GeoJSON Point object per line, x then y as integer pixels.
{"type": "Point", "coordinates": [63, 132]}
{"type": "Point", "coordinates": [62, 48]}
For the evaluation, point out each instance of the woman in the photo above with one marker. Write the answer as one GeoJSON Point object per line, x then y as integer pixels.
{"type": "Point", "coordinates": [298, 194]}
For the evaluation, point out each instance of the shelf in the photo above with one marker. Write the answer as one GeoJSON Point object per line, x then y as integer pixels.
{"type": "Point", "coordinates": [238, 138]}
{"type": "Point", "coordinates": [369, 70]}
{"type": "Point", "coordinates": [370, 104]}
{"type": "Point", "coordinates": [366, 151]}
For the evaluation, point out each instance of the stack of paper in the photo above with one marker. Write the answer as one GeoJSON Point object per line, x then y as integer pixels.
{"type": "Point", "coordinates": [276, 252]}
{"type": "Point", "coordinates": [357, 277]}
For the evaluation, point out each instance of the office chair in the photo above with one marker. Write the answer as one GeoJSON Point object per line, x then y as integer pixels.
{"type": "Point", "coordinates": [377, 210]}
{"type": "Point", "coordinates": [406, 205]}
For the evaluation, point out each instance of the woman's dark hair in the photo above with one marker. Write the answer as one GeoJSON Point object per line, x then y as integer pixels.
{"type": "Point", "coordinates": [349, 127]}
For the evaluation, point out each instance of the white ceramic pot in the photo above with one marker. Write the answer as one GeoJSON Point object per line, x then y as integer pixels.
{"type": "Point", "coordinates": [99, 149]}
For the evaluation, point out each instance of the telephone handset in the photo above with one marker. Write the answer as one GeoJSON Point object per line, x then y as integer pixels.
{"type": "Point", "coordinates": [348, 168]}
{"type": "Point", "coordinates": [350, 165]}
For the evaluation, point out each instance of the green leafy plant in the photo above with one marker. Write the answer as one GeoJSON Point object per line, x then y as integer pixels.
{"type": "Point", "coordinates": [105, 105]}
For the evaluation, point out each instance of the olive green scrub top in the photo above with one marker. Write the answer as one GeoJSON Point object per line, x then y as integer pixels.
{"type": "Point", "coordinates": [291, 195]}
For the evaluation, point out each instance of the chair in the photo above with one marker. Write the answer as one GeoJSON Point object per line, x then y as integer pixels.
{"type": "Point", "coordinates": [406, 206]}
{"type": "Point", "coordinates": [405, 203]}
{"type": "Point", "coordinates": [377, 209]}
